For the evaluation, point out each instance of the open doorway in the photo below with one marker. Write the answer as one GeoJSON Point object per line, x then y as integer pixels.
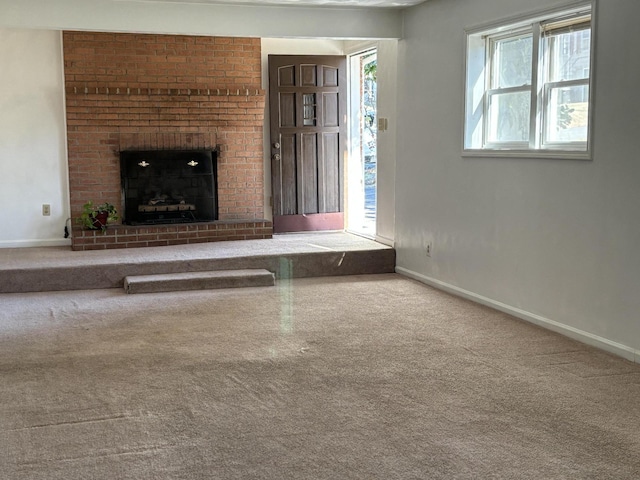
{"type": "Point", "coordinates": [362, 169]}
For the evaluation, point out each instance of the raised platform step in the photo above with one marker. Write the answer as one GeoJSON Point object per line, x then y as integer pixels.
{"type": "Point", "coordinates": [287, 256]}
{"type": "Point", "coordinates": [173, 282]}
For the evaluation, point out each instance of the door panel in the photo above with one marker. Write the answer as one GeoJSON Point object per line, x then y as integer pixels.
{"type": "Point", "coordinates": [309, 76]}
{"type": "Point", "coordinates": [332, 181]}
{"type": "Point", "coordinates": [308, 138]}
{"type": "Point", "coordinates": [309, 173]}
{"type": "Point", "coordinates": [330, 78]}
{"type": "Point", "coordinates": [330, 114]}
{"type": "Point", "coordinates": [287, 193]}
{"type": "Point", "coordinates": [287, 76]}
{"type": "Point", "coordinates": [287, 110]}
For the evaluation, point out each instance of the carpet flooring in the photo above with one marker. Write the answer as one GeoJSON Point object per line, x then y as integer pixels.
{"type": "Point", "coordinates": [356, 377]}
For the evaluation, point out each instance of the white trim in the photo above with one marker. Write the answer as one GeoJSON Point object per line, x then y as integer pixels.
{"type": "Point", "coordinates": [358, 47]}
{"type": "Point", "coordinates": [389, 242]}
{"type": "Point", "coordinates": [354, 189]}
{"type": "Point", "coordinates": [571, 332]}
{"type": "Point", "coordinates": [54, 242]}
{"type": "Point", "coordinates": [65, 160]}
{"type": "Point", "coordinates": [513, 153]}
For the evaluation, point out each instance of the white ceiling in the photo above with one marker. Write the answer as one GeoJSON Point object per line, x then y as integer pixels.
{"type": "Point", "coordinates": [303, 3]}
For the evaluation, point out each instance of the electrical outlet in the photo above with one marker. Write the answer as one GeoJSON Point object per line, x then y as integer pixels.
{"type": "Point", "coordinates": [46, 209]}
{"type": "Point", "coordinates": [428, 248]}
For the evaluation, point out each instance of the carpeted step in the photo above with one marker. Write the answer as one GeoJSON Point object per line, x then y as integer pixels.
{"type": "Point", "coordinates": [172, 282]}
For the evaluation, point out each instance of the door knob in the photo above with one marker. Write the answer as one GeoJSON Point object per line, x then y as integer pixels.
{"type": "Point", "coordinates": [276, 145]}
{"type": "Point", "coordinates": [276, 157]}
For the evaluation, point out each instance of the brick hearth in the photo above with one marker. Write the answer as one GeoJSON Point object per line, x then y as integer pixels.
{"type": "Point", "coordinates": [159, 92]}
{"type": "Point", "coordinates": [125, 236]}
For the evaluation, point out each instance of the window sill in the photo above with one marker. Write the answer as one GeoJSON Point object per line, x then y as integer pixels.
{"type": "Point", "coordinates": [542, 154]}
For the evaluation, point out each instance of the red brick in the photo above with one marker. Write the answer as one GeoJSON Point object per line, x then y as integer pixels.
{"type": "Point", "coordinates": [136, 244]}
{"type": "Point", "coordinates": [100, 124]}
{"type": "Point", "coordinates": [158, 243]}
{"type": "Point", "coordinates": [93, 247]}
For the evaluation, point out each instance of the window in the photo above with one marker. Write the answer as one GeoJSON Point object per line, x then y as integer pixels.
{"type": "Point", "coordinates": [528, 85]}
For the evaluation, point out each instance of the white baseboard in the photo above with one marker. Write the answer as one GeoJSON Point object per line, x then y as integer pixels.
{"type": "Point", "coordinates": [56, 242]}
{"type": "Point", "coordinates": [566, 330]}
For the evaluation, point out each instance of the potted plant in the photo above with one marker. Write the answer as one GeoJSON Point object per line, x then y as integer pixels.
{"type": "Point", "coordinates": [96, 217]}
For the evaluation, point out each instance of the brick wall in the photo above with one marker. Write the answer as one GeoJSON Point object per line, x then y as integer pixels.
{"type": "Point", "coordinates": [128, 91]}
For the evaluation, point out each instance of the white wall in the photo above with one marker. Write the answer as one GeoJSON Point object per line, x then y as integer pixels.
{"type": "Point", "coordinates": [201, 18]}
{"type": "Point", "coordinates": [553, 241]}
{"type": "Point", "coordinates": [33, 166]}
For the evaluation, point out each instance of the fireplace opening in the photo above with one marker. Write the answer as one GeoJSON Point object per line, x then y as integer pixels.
{"type": "Point", "coordinates": [169, 186]}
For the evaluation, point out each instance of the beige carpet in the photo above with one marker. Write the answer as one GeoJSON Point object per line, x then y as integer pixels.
{"type": "Point", "coordinates": [369, 377]}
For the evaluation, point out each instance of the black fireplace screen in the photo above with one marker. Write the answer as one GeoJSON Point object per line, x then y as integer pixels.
{"type": "Point", "coordinates": [169, 186]}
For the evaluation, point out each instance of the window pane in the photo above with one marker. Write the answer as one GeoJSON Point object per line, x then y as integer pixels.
{"type": "Point", "coordinates": [512, 62]}
{"type": "Point", "coordinates": [509, 117]}
{"type": "Point", "coordinates": [567, 114]}
{"type": "Point", "coordinates": [569, 55]}
{"type": "Point", "coordinates": [309, 111]}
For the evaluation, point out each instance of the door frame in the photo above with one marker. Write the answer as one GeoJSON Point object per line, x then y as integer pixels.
{"type": "Point", "coordinates": [355, 188]}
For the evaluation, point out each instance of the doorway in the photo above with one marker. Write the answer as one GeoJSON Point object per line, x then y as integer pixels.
{"type": "Point", "coordinates": [363, 133]}
{"type": "Point", "coordinates": [308, 112]}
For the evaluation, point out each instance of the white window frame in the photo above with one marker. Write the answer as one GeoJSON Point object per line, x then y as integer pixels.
{"type": "Point", "coordinates": [478, 88]}
{"type": "Point", "coordinates": [492, 90]}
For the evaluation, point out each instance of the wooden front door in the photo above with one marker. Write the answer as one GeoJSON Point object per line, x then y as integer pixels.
{"type": "Point", "coordinates": [308, 141]}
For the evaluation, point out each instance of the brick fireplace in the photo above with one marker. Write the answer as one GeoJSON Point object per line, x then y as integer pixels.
{"type": "Point", "coordinates": [128, 92]}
